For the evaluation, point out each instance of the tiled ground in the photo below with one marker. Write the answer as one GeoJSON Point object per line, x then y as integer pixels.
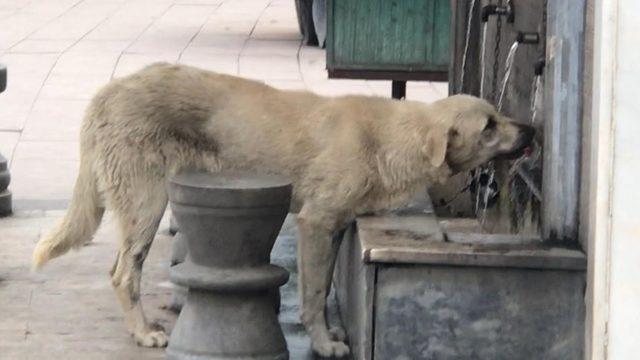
{"type": "Point", "coordinates": [58, 53]}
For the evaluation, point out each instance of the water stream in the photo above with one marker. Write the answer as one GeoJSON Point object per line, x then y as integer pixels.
{"type": "Point", "coordinates": [536, 98]}
{"type": "Point", "coordinates": [487, 193]}
{"type": "Point", "coordinates": [483, 44]}
{"type": "Point", "coordinates": [507, 72]}
{"type": "Point", "coordinates": [525, 166]}
{"type": "Point", "coordinates": [478, 172]}
{"type": "Point", "coordinates": [466, 44]}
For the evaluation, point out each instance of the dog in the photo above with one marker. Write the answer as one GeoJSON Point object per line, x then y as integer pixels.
{"type": "Point", "coordinates": [345, 156]}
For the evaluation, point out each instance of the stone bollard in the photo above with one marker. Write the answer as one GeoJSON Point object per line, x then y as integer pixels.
{"type": "Point", "coordinates": [178, 256]}
{"type": "Point", "coordinates": [5, 194]}
{"type": "Point", "coordinates": [5, 177]}
{"type": "Point", "coordinates": [179, 292]}
{"type": "Point", "coordinates": [230, 223]}
{"type": "Point", "coordinates": [173, 225]}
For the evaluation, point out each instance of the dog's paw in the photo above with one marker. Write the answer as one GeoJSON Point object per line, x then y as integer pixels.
{"type": "Point", "coordinates": [156, 338]}
{"type": "Point", "coordinates": [337, 333]}
{"type": "Point", "coordinates": [331, 349]}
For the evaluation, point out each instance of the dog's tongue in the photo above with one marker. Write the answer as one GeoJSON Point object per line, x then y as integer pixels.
{"type": "Point", "coordinates": [527, 151]}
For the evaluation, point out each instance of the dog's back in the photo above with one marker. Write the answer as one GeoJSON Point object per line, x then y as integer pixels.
{"type": "Point", "coordinates": [142, 128]}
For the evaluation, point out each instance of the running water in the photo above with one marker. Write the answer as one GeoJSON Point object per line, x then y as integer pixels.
{"type": "Point", "coordinates": [476, 175]}
{"type": "Point", "coordinates": [478, 171]}
{"type": "Point", "coordinates": [524, 165]}
{"type": "Point", "coordinates": [536, 98]}
{"type": "Point", "coordinates": [487, 192]}
{"type": "Point", "coordinates": [483, 43]}
{"type": "Point", "coordinates": [532, 161]}
{"type": "Point", "coordinates": [466, 44]}
{"type": "Point", "coordinates": [507, 72]}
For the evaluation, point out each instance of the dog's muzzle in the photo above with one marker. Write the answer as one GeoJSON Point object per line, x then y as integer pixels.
{"type": "Point", "coordinates": [525, 137]}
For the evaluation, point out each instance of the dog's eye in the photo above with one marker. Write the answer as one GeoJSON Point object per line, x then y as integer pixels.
{"type": "Point", "coordinates": [491, 124]}
{"type": "Point", "coordinates": [489, 133]}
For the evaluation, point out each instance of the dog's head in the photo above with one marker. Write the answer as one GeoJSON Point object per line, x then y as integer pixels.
{"type": "Point", "coordinates": [468, 132]}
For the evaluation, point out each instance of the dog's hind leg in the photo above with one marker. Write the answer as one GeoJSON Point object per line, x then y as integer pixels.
{"type": "Point", "coordinates": [139, 218]}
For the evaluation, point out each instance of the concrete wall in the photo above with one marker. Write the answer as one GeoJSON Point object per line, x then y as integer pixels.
{"type": "Point", "coordinates": [614, 204]}
{"type": "Point", "coordinates": [625, 201]}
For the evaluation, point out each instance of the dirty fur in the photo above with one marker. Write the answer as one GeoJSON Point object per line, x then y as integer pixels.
{"type": "Point", "coordinates": [345, 156]}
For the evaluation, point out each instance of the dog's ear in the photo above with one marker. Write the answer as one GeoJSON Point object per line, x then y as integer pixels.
{"type": "Point", "coordinates": [435, 147]}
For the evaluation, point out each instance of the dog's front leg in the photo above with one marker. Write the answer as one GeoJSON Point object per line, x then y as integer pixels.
{"type": "Point", "coordinates": [316, 259]}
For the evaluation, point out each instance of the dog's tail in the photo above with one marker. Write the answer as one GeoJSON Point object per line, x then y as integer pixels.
{"type": "Point", "coordinates": [79, 224]}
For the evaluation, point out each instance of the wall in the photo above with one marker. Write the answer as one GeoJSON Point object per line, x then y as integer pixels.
{"type": "Point", "coordinates": [625, 202]}
{"type": "Point", "coordinates": [614, 205]}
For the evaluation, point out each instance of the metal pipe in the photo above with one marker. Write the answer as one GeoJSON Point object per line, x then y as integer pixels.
{"type": "Point", "coordinates": [528, 38]}
{"type": "Point", "coordinates": [507, 10]}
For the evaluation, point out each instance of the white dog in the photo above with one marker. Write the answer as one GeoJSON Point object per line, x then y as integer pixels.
{"type": "Point", "coordinates": [345, 156]}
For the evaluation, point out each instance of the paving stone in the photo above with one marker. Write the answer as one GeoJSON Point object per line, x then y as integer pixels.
{"type": "Point", "coordinates": [215, 43]}
{"type": "Point", "coordinates": [77, 22]}
{"type": "Point", "coordinates": [173, 31]}
{"type": "Point", "coordinates": [130, 63]}
{"type": "Point", "coordinates": [442, 88]}
{"type": "Point", "coordinates": [220, 25]}
{"type": "Point", "coordinates": [338, 87]}
{"type": "Point", "coordinates": [30, 18]}
{"type": "Point", "coordinates": [73, 87]}
{"type": "Point", "coordinates": [269, 68]}
{"type": "Point", "coordinates": [266, 48]}
{"type": "Point", "coordinates": [17, 99]}
{"type": "Point", "coordinates": [55, 120]}
{"type": "Point", "coordinates": [39, 46]}
{"type": "Point", "coordinates": [424, 91]}
{"type": "Point", "coordinates": [131, 20]}
{"type": "Point", "coordinates": [8, 142]}
{"type": "Point", "coordinates": [44, 170]}
{"type": "Point", "coordinates": [200, 57]}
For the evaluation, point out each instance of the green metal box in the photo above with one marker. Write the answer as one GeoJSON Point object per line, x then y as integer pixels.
{"type": "Point", "coordinates": [388, 39]}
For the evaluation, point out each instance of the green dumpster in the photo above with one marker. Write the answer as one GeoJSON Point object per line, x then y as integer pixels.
{"type": "Point", "coordinates": [388, 39]}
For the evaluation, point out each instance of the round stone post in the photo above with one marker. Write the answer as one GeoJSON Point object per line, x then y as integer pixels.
{"type": "Point", "coordinates": [5, 194]}
{"type": "Point", "coordinates": [230, 223]}
{"type": "Point", "coordinates": [178, 256]}
{"type": "Point", "coordinates": [5, 177]}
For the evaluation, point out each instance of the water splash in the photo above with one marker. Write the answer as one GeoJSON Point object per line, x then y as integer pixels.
{"type": "Point", "coordinates": [483, 44]}
{"type": "Point", "coordinates": [476, 175]}
{"type": "Point", "coordinates": [522, 168]}
{"type": "Point", "coordinates": [487, 193]}
{"type": "Point", "coordinates": [466, 44]}
{"type": "Point", "coordinates": [525, 166]}
{"type": "Point", "coordinates": [507, 72]}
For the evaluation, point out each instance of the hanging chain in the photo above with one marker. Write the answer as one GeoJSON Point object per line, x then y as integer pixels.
{"type": "Point", "coordinates": [496, 59]}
